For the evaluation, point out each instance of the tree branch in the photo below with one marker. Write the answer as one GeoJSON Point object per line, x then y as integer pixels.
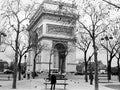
{"type": "Point", "coordinates": [112, 4]}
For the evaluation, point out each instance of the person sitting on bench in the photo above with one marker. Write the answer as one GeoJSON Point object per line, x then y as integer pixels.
{"type": "Point", "coordinates": [53, 82]}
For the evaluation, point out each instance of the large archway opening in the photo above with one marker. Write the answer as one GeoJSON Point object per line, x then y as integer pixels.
{"type": "Point", "coordinates": [59, 59]}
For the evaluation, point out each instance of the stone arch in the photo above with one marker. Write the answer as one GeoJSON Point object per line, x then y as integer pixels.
{"type": "Point", "coordinates": [59, 59]}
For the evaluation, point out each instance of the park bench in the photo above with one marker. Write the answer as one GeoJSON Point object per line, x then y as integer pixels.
{"type": "Point", "coordinates": [47, 82]}
{"type": "Point", "coordinates": [103, 77]}
{"type": "Point", "coordinates": [5, 77]}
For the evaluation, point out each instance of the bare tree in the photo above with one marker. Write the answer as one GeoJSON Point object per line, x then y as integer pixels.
{"type": "Point", "coordinates": [117, 49]}
{"type": "Point", "coordinates": [37, 47]}
{"type": "Point", "coordinates": [112, 42]}
{"type": "Point", "coordinates": [16, 14]}
{"type": "Point", "coordinates": [83, 43]}
{"type": "Point", "coordinates": [24, 47]}
{"type": "Point", "coordinates": [93, 26]}
{"type": "Point", "coordinates": [22, 50]}
{"type": "Point", "coordinates": [118, 53]}
{"type": "Point", "coordinates": [113, 50]}
{"type": "Point", "coordinates": [118, 65]}
{"type": "Point", "coordinates": [112, 4]}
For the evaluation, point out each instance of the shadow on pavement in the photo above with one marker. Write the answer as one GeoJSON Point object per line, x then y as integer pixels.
{"type": "Point", "coordinates": [116, 87]}
{"type": "Point", "coordinates": [55, 89]}
{"type": "Point", "coordinates": [105, 82]}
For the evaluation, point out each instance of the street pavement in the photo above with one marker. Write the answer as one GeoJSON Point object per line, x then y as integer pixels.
{"type": "Point", "coordinates": [73, 84]}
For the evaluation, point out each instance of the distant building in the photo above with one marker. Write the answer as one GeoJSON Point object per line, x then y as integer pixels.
{"type": "Point", "coordinates": [3, 65]}
{"type": "Point", "coordinates": [102, 72]}
{"type": "Point", "coordinates": [80, 67]}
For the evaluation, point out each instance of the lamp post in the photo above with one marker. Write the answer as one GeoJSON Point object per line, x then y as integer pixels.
{"type": "Point", "coordinates": [51, 52]}
{"type": "Point", "coordinates": [25, 64]}
{"type": "Point", "coordinates": [107, 38]}
{"type": "Point", "coordinates": [2, 34]}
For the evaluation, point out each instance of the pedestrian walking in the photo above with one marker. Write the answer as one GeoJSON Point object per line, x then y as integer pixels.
{"type": "Point", "coordinates": [28, 74]}
{"type": "Point", "coordinates": [22, 75]}
{"type": "Point", "coordinates": [91, 78]}
{"type": "Point", "coordinates": [53, 82]}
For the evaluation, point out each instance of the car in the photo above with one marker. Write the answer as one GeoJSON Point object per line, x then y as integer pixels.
{"type": "Point", "coordinates": [79, 73]}
{"type": "Point", "coordinates": [8, 71]}
{"type": "Point", "coordinates": [56, 72]}
{"type": "Point", "coordinates": [36, 74]}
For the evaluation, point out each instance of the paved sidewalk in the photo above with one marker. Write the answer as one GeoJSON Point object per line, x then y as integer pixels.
{"type": "Point", "coordinates": [37, 84]}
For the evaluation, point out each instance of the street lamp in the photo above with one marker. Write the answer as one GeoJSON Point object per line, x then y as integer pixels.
{"type": "Point", "coordinates": [4, 35]}
{"type": "Point", "coordinates": [51, 52]}
{"type": "Point", "coordinates": [25, 58]}
{"type": "Point", "coordinates": [25, 64]}
{"type": "Point", "coordinates": [107, 38]}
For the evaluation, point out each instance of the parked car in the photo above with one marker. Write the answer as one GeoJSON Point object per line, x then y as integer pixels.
{"type": "Point", "coordinates": [56, 72]}
{"type": "Point", "coordinates": [79, 73]}
{"type": "Point", "coordinates": [36, 74]}
{"type": "Point", "coordinates": [8, 71]}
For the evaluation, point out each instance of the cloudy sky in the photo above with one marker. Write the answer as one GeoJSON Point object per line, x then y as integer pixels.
{"type": "Point", "coordinates": [9, 54]}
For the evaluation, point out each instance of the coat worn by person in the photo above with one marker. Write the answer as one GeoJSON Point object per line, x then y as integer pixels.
{"type": "Point", "coordinates": [91, 77]}
{"type": "Point", "coordinates": [53, 79]}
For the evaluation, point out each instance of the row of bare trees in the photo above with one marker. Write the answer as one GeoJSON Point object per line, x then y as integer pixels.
{"type": "Point", "coordinates": [92, 29]}
{"type": "Point", "coordinates": [114, 49]}
{"type": "Point", "coordinates": [16, 15]}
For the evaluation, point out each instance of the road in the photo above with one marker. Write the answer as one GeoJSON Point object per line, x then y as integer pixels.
{"type": "Point", "coordinates": [114, 84]}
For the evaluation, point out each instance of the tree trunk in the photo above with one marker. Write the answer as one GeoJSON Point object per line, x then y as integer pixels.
{"type": "Point", "coordinates": [109, 70]}
{"type": "Point", "coordinates": [50, 65]}
{"type": "Point", "coordinates": [34, 67]}
{"type": "Point", "coordinates": [16, 59]}
{"type": "Point", "coordinates": [15, 73]}
{"type": "Point", "coordinates": [19, 68]}
{"type": "Point", "coordinates": [19, 71]}
{"type": "Point", "coordinates": [96, 62]}
{"type": "Point", "coordinates": [118, 66]}
{"type": "Point", "coordinates": [96, 70]}
{"type": "Point", "coordinates": [86, 76]}
{"type": "Point", "coordinates": [15, 63]}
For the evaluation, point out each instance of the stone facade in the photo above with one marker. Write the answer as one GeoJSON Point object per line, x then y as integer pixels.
{"type": "Point", "coordinates": [55, 29]}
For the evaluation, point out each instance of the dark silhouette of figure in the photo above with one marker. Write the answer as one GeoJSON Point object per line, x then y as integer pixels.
{"type": "Point", "coordinates": [23, 75]}
{"type": "Point", "coordinates": [53, 82]}
{"type": "Point", "coordinates": [28, 74]}
{"type": "Point", "coordinates": [91, 78]}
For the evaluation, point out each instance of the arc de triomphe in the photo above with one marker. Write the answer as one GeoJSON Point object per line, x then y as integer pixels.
{"type": "Point", "coordinates": [54, 23]}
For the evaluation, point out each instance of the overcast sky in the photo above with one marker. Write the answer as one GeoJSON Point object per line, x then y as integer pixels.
{"type": "Point", "coordinates": [8, 54]}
